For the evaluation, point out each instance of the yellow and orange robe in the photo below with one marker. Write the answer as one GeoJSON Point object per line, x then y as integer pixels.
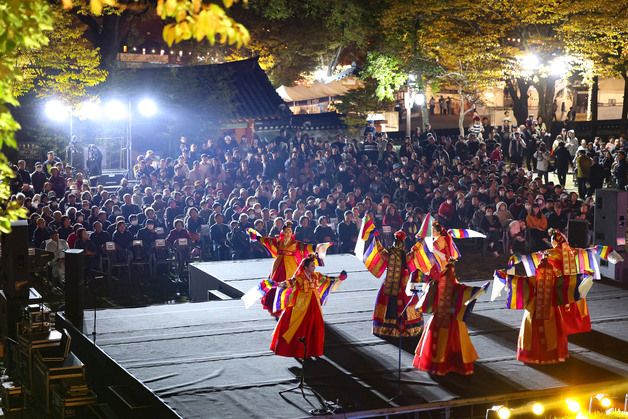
{"type": "Point", "coordinates": [445, 345]}
{"type": "Point", "coordinates": [392, 298]}
{"type": "Point", "coordinates": [288, 255]}
{"type": "Point", "coordinates": [575, 316]}
{"type": "Point", "coordinates": [302, 317]}
{"type": "Point", "coordinates": [542, 337]}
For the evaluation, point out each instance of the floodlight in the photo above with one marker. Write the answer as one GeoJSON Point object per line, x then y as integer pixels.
{"type": "Point", "coordinates": [116, 110]}
{"type": "Point", "coordinates": [502, 412]}
{"type": "Point", "coordinates": [538, 409]}
{"type": "Point", "coordinates": [147, 107]}
{"type": "Point", "coordinates": [419, 99]}
{"type": "Point", "coordinates": [560, 66]}
{"type": "Point", "coordinates": [56, 110]}
{"type": "Point", "coordinates": [90, 110]}
{"type": "Point", "coordinates": [530, 62]}
{"type": "Point", "coordinates": [573, 405]}
{"type": "Point", "coordinates": [604, 400]}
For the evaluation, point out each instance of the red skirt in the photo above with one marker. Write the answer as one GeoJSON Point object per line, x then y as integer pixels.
{"type": "Point", "coordinates": [441, 354]}
{"type": "Point", "coordinates": [575, 317]}
{"type": "Point", "coordinates": [312, 329]}
{"type": "Point", "coordinates": [542, 341]}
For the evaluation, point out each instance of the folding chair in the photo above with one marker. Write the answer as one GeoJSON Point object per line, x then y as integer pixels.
{"type": "Point", "coordinates": [114, 261]}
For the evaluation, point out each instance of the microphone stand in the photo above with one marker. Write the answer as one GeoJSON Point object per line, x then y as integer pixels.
{"type": "Point", "coordinates": [302, 386]}
{"type": "Point", "coordinates": [414, 293]}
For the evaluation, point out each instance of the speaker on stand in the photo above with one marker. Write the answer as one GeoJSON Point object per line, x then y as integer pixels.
{"type": "Point", "coordinates": [609, 229]}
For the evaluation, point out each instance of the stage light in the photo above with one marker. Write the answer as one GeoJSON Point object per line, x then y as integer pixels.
{"type": "Point", "coordinates": [147, 107]}
{"type": "Point", "coordinates": [502, 412]}
{"type": "Point", "coordinates": [538, 409]}
{"type": "Point", "coordinates": [573, 405]}
{"type": "Point", "coordinates": [581, 415]}
{"type": "Point", "coordinates": [604, 400]}
{"type": "Point", "coordinates": [419, 99]}
{"type": "Point", "coordinates": [530, 62]}
{"type": "Point", "coordinates": [116, 110]}
{"type": "Point", "coordinates": [56, 110]}
{"type": "Point", "coordinates": [559, 66]}
{"type": "Point", "coordinates": [90, 110]}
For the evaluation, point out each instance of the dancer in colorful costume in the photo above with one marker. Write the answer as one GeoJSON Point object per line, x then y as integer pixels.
{"type": "Point", "coordinates": [288, 254]}
{"type": "Point", "coordinates": [542, 337]}
{"type": "Point", "coordinates": [445, 345]}
{"type": "Point", "coordinates": [568, 260]}
{"type": "Point", "coordinates": [300, 332]}
{"type": "Point", "coordinates": [394, 315]}
{"type": "Point", "coordinates": [574, 316]}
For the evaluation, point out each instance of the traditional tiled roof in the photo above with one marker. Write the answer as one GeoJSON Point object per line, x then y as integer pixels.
{"type": "Point", "coordinates": [229, 92]}
{"type": "Point", "coordinates": [306, 122]}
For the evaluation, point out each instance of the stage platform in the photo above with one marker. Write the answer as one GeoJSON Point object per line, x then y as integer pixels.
{"type": "Point", "coordinates": [211, 359]}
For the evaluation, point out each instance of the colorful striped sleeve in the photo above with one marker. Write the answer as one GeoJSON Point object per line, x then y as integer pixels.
{"type": "Point", "coordinates": [520, 292]}
{"type": "Point", "coordinates": [376, 258]}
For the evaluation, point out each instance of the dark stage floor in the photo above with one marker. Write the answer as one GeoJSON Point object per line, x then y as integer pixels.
{"type": "Point", "coordinates": [212, 359]}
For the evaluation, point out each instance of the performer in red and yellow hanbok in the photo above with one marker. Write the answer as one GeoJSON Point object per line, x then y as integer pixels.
{"type": "Point", "coordinates": [445, 345]}
{"type": "Point", "coordinates": [389, 317]}
{"type": "Point", "coordinates": [300, 332]}
{"type": "Point", "coordinates": [288, 254]}
{"type": "Point", "coordinates": [542, 338]}
{"type": "Point", "coordinates": [575, 316]}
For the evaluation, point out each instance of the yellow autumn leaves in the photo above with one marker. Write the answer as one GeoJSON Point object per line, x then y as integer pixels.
{"type": "Point", "coordinates": [194, 19]}
{"type": "Point", "coordinates": [189, 19]}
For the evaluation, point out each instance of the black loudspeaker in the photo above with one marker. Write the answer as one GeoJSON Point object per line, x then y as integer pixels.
{"type": "Point", "coordinates": [611, 210]}
{"type": "Point", "coordinates": [110, 179]}
{"type": "Point", "coordinates": [74, 285]}
{"type": "Point", "coordinates": [578, 233]}
{"type": "Point", "coordinates": [14, 269]}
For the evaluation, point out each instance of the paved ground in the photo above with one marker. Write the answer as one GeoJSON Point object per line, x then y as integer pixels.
{"type": "Point", "coordinates": [212, 359]}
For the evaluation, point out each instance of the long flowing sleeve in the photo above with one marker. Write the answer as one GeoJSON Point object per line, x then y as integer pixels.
{"type": "Point", "coordinates": [376, 258]}
{"type": "Point", "coordinates": [327, 284]}
{"type": "Point", "coordinates": [571, 288]}
{"type": "Point", "coordinates": [270, 243]}
{"type": "Point", "coordinates": [520, 291]}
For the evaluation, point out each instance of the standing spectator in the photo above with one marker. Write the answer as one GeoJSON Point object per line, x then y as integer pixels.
{"type": "Point", "coordinates": [347, 233]}
{"type": "Point", "coordinates": [562, 156]}
{"type": "Point", "coordinates": [39, 178]}
{"type": "Point", "coordinates": [441, 105]}
{"type": "Point", "coordinates": [516, 149]}
{"type": "Point", "coordinates": [583, 169]}
{"type": "Point", "coordinates": [218, 236]}
{"type": "Point", "coordinates": [596, 175]}
{"type": "Point", "coordinates": [619, 170]}
{"type": "Point", "coordinates": [239, 242]}
{"type": "Point", "coordinates": [542, 162]}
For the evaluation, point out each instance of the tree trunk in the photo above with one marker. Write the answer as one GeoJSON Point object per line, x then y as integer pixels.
{"type": "Point", "coordinates": [519, 94]}
{"type": "Point", "coordinates": [595, 90]}
{"type": "Point", "coordinates": [425, 115]}
{"type": "Point", "coordinates": [461, 114]}
{"type": "Point", "coordinates": [624, 108]}
{"type": "Point", "coordinates": [546, 89]}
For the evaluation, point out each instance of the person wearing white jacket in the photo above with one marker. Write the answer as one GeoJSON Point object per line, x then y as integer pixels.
{"type": "Point", "coordinates": [542, 162]}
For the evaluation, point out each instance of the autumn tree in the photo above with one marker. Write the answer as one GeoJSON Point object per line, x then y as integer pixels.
{"type": "Point", "coordinates": [66, 67]}
{"type": "Point", "coordinates": [24, 26]}
{"type": "Point", "coordinates": [596, 31]}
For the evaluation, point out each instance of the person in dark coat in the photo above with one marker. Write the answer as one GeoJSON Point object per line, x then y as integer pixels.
{"type": "Point", "coordinates": [596, 176]}
{"type": "Point", "coordinates": [562, 156]}
{"type": "Point", "coordinates": [619, 170]}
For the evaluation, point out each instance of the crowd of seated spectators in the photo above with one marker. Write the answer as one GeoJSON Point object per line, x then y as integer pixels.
{"type": "Point", "coordinates": [508, 182]}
